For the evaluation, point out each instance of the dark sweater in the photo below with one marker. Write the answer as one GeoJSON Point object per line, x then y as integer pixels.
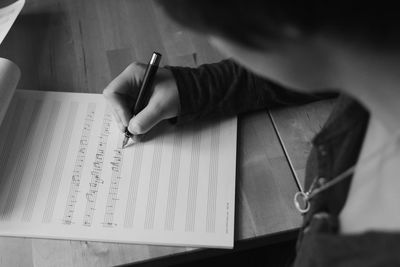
{"type": "Point", "coordinates": [226, 88]}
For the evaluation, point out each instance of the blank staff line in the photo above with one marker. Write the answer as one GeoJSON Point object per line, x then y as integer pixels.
{"type": "Point", "coordinates": [23, 155]}
{"type": "Point", "coordinates": [10, 140]}
{"type": "Point", "coordinates": [4, 130]}
{"type": "Point", "coordinates": [213, 180]}
{"type": "Point", "coordinates": [60, 164]}
{"type": "Point", "coordinates": [153, 186]}
{"type": "Point", "coordinates": [173, 182]}
{"type": "Point", "coordinates": [193, 181]}
{"type": "Point", "coordinates": [133, 185]}
{"type": "Point", "coordinates": [215, 177]}
{"type": "Point", "coordinates": [39, 169]}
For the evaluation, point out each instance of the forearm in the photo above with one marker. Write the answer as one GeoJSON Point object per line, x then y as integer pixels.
{"type": "Point", "coordinates": [226, 88]}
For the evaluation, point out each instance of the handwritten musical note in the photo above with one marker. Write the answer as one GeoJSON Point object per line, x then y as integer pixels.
{"type": "Point", "coordinates": [79, 163]}
{"type": "Point", "coordinates": [175, 188]}
{"type": "Point", "coordinates": [96, 180]}
{"type": "Point", "coordinates": [112, 198]}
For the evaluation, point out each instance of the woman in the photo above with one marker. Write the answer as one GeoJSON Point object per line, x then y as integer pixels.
{"type": "Point", "coordinates": [351, 207]}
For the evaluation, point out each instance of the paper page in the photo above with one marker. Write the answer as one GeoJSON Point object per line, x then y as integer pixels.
{"type": "Point", "coordinates": [64, 176]}
{"type": "Point", "coordinates": [9, 77]}
{"type": "Point", "coordinates": [8, 15]}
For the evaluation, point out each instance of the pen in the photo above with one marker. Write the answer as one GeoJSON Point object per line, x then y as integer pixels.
{"type": "Point", "coordinates": [145, 91]}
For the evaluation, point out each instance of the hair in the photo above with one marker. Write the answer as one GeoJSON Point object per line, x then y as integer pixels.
{"type": "Point", "coordinates": [251, 22]}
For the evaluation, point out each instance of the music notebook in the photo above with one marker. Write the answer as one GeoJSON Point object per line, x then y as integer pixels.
{"type": "Point", "coordinates": [63, 174]}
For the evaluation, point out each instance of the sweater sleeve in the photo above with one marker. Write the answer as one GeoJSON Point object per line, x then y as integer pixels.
{"type": "Point", "coordinates": [226, 88]}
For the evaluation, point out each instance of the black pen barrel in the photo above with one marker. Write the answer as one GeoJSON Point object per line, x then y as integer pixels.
{"type": "Point", "coordinates": [146, 91]}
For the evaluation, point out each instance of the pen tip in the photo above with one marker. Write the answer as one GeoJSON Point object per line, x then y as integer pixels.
{"type": "Point", "coordinates": [124, 142]}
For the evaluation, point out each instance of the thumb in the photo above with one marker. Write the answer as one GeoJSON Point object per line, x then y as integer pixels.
{"type": "Point", "coordinates": [145, 120]}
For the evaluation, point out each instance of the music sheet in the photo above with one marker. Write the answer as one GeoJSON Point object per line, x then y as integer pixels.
{"type": "Point", "coordinates": [63, 175]}
{"type": "Point", "coordinates": [9, 78]}
{"type": "Point", "coordinates": [8, 15]}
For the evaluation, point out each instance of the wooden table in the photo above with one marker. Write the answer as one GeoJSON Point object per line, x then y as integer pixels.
{"type": "Point", "coordinates": [80, 45]}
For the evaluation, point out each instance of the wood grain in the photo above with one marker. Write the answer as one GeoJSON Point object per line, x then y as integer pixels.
{"type": "Point", "coordinates": [264, 180]}
{"type": "Point", "coordinates": [80, 45]}
{"type": "Point", "coordinates": [297, 126]}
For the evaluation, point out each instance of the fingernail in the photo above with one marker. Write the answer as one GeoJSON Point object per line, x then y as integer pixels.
{"type": "Point", "coordinates": [133, 129]}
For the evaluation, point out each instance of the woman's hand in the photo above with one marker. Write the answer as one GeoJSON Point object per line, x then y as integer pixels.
{"type": "Point", "coordinates": [122, 92]}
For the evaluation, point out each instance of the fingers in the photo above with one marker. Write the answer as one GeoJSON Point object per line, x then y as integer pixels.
{"type": "Point", "coordinates": [146, 119]}
{"type": "Point", "coordinates": [128, 81]}
{"type": "Point", "coordinates": [120, 107]}
{"type": "Point", "coordinates": [122, 92]}
{"type": "Point", "coordinates": [163, 104]}
{"type": "Point", "coordinates": [119, 122]}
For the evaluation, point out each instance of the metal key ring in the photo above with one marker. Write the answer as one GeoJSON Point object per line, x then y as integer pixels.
{"type": "Point", "coordinates": [304, 198]}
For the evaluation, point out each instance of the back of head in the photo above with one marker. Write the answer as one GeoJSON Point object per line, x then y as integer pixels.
{"type": "Point", "coordinates": [251, 22]}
